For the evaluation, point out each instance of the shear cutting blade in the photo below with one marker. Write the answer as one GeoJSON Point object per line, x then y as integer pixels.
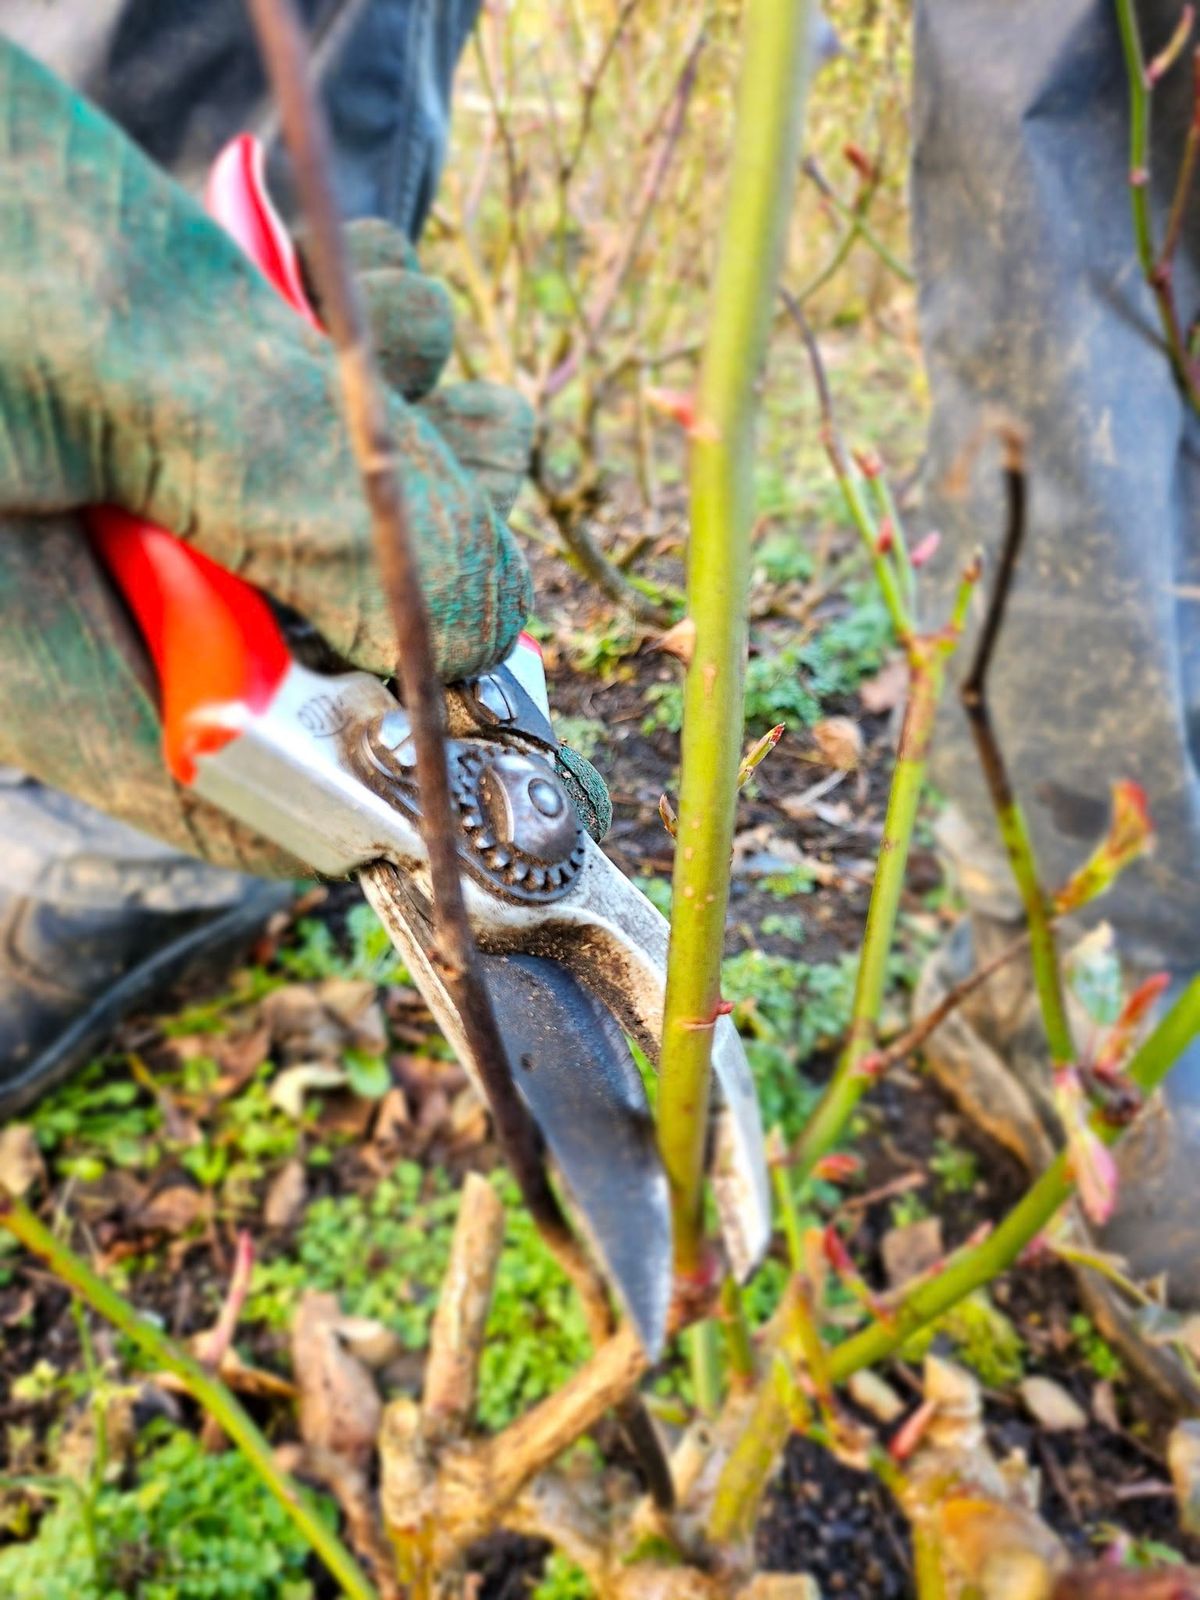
{"type": "Point", "coordinates": [574, 1070]}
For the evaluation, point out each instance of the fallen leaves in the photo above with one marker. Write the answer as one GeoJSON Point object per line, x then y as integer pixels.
{"type": "Point", "coordinates": [839, 743]}
{"type": "Point", "coordinates": [21, 1164]}
{"type": "Point", "coordinates": [286, 1195]}
{"type": "Point", "coordinates": [340, 1410]}
{"type": "Point", "coordinates": [911, 1250]}
{"type": "Point", "coordinates": [887, 689]}
{"type": "Point", "coordinates": [1049, 1404]}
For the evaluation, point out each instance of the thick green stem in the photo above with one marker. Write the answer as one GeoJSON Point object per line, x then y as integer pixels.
{"type": "Point", "coordinates": [850, 1082]}
{"type": "Point", "coordinates": [762, 174]}
{"type": "Point", "coordinates": [1139, 133]}
{"type": "Point", "coordinates": [212, 1395]}
{"type": "Point", "coordinates": [739, 1347]}
{"type": "Point", "coordinates": [1043, 945]}
{"type": "Point", "coordinates": [704, 1358]}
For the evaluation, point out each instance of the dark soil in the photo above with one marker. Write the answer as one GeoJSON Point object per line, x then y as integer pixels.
{"type": "Point", "coordinates": [839, 1525]}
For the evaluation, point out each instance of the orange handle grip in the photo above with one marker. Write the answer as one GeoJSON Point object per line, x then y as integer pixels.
{"type": "Point", "coordinates": [212, 636]}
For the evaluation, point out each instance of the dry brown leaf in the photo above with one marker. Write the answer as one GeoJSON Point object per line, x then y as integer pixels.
{"type": "Point", "coordinates": [21, 1164]}
{"type": "Point", "coordinates": [839, 742]}
{"type": "Point", "coordinates": [435, 1110]}
{"type": "Point", "coordinates": [301, 1029]}
{"type": "Point", "coordinates": [286, 1195]}
{"type": "Point", "coordinates": [468, 1119]}
{"type": "Point", "coordinates": [1104, 1581]}
{"type": "Point", "coordinates": [114, 1192]}
{"type": "Point", "coordinates": [174, 1210]}
{"type": "Point", "coordinates": [340, 1409]}
{"type": "Point", "coordinates": [238, 1376]}
{"type": "Point", "coordinates": [240, 1058]}
{"type": "Point", "coordinates": [876, 1397]}
{"type": "Point", "coordinates": [24, 1306]}
{"type": "Point", "coordinates": [1104, 1405]}
{"type": "Point", "coordinates": [886, 690]}
{"type": "Point", "coordinates": [1049, 1404]}
{"type": "Point", "coordinates": [393, 1119]}
{"type": "Point", "coordinates": [354, 1004]}
{"type": "Point", "coordinates": [679, 641]}
{"type": "Point", "coordinates": [911, 1250]}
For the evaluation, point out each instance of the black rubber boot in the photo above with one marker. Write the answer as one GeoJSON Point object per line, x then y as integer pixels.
{"type": "Point", "coordinates": [69, 975]}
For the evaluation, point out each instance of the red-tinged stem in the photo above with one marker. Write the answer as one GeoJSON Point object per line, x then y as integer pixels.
{"type": "Point", "coordinates": [1157, 272]}
{"type": "Point", "coordinates": [1183, 186]}
{"type": "Point", "coordinates": [745, 1474]}
{"type": "Point", "coordinates": [1014, 830]}
{"type": "Point", "coordinates": [975, 1267]}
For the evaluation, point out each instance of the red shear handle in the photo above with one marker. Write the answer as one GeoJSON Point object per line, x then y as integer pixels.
{"type": "Point", "coordinates": [213, 638]}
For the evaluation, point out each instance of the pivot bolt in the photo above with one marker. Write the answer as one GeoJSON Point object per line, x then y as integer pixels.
{"type": "Point", "coordinates": [527, 807]}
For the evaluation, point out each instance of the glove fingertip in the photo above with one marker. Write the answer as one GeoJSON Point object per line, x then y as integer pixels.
{"type": "Point", "coordinates": [587, 790]}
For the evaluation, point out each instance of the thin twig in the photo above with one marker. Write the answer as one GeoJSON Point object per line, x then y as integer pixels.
{"type": "Point", "coordinates": [889, 568]}
{"type": "Point", "coordinates": [282, 42]}
{"type": "Point", "coordinates": [1183, 185]}
{"type": "Point", "coordinates": [212, 1346]}
{"type": "Point", "coordinates": [598, 313]}
{"type": "Point", "coordinates": [1157, 272]}
{"type": "Point", "coordinates": [911, 1040]}
{"type": "Point", "coordinates": [982, 1262]}
{"type": "Point", "coordinates": [1014, 829]}
{"type": "Point", "coordinates": [745, 1473]}
{"type": "Point", "coordinates": [589, 85]}
{"type": "Point", "coordinates": [855, 214]}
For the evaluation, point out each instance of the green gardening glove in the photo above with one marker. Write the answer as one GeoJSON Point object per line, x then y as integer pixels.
{"type": "Point", "coordinates": [145, 363]}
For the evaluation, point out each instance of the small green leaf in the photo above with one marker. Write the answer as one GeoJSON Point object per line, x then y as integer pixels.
{"type": "Point", "coordinates": [367, 1075]}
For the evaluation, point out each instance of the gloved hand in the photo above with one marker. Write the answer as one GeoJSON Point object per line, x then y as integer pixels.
{"type": "Point", "coordinates": [145, 363]}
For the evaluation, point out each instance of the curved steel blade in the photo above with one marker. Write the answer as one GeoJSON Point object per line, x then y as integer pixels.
{"type": "Point", "coordinates": [575, 1072]}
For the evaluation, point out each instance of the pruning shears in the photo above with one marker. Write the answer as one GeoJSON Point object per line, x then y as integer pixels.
{"type": "Point", "coordinates": [573, 955]}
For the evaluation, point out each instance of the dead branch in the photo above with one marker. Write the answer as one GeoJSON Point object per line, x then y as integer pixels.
{"type": "Point", "coordinates": [456, 1340]}
{"type": "Point", "coordinates": [651, 187]}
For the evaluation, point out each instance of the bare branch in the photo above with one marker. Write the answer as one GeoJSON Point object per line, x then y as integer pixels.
{"type": "Point", "coordinates": [456, 1340]}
